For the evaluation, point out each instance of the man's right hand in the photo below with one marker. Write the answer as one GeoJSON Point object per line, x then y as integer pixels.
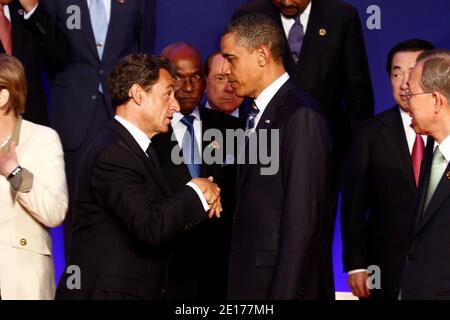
{"type": "Point", "coordinates": [358, 283]}
{"type": "Point", "coordinates": [211, 191]}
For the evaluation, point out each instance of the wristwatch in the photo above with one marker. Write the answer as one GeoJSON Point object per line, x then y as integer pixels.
{"type": "Point", "coordinates": [14, 173]}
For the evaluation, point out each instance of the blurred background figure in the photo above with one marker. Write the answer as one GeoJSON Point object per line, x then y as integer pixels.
{"type": "Point", "coordinates": [33, 192]}
{"type": "Point", "coordinates": [219, 93]}
{"type": "Point", "coordinates": [29, 33]}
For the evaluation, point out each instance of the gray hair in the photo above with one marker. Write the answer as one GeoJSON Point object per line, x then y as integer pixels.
{"type": "Point", "coordinates": [254, 30]}
{"type": "Point", "coordinates": [436, 71]}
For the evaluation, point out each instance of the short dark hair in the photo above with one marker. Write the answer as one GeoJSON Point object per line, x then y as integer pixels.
{"type": "Point", "coordinates": [410, 45]}
{"type": "Point", "coordinates": [256, 29]}
{"type": "Point", "coordinates": [141, 69]}
{"type": "Point", "coordinates": [208, 61]}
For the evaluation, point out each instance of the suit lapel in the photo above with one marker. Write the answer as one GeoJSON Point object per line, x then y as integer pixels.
{"type": "Point", "coordinates": [265, 123]}
{"type": "Point", "coordinates": [395, 138]}
{"type": "Point", "coordinates": [441, 193]}
{"type": "Point", "coordinates": [136, 149]}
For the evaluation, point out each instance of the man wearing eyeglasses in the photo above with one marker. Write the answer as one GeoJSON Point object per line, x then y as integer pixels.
{"type": "Point", "coordinates": [426, 270]}
{"type": "Point", "coordinates": [380, 183]}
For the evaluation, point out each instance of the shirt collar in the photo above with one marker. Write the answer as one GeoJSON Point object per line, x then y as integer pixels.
{"type": "Point", "coordinates": [268, 93]}
{"type": "Point", "coordinates": [138, 135]}
{"type": "Point", "coordinates": [444, 147]}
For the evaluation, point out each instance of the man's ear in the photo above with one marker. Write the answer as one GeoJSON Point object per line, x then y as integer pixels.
{"type": "Point", "coordinates": [4, 97]}
{"type": "Point", "coordinates": [263, 55]}
{"type": "Point", "coordinates": [135, 93]}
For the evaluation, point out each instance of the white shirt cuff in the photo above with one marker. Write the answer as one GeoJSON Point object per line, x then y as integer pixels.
{"type": "Point", "coordinates": [27, 15]}
{"type": "Point", "coordinates": [356, 271]}
{"type": "Point", "coordinates": [200, 194]}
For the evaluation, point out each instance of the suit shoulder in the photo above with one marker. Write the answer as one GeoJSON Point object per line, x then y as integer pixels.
{"type": "Point", "coordinates": [218, 119]}
{"type": "Point", "coordinates": [43, 132]}
{"type": "Point", "coordinates": [336, 6]}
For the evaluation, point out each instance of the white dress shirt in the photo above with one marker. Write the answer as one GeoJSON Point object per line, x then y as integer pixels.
{"type": "Point", "coordinates": [267, 94]}
{"type": "Point", "coordinates": [289, 22]}
{"type": "Point", "coordinates": [26, 16]}
{"type": "Point", "coordinates": [107, 5]}
{"type": "Point", "coordinates": [179, 128]}
{"type": "Point", "coordinates": [143, 142]}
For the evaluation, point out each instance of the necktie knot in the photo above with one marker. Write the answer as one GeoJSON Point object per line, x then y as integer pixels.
{"type": "Point", "coordinates": [188, 120]}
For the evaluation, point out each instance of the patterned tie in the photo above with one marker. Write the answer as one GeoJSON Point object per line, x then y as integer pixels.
{"type": "Point", "coordinates": [417, 155]}
{"type": "Point", "coordinates": [435, 175]}
{"type": "Point", "coordinates": [190, 149]}
{"type": "Point", "coordinates": [5, 32]}
{"type": "Point", "coordinates": [99, 24]}
{"type": "Point", "coordinates": [295, 38]}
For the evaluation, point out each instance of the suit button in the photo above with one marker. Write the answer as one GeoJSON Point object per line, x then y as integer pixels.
{"type": "Point", "coordinates": [23, 242]}
{"type": "Point", "coordinates": [409, 257]}
{"type": "Point", "coordinates": [94, 97]}
{"type": "Point", "coordinates": [100, 71]}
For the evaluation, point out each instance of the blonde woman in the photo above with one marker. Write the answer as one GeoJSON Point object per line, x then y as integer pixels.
{"type": "Point", "coordinates": [33, 192]}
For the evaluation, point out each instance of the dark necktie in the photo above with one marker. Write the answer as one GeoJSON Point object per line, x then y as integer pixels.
{"type": "Point", "coordinates": [295, 38]}
{"type": "Point", "coordinates": [417, 155]}
{"type": "Point", "coordinates": [189, 147]}
{"type": "Point", "coordinates": [5, 32]}
{"type": "Point", "coordinates": [251, 117]}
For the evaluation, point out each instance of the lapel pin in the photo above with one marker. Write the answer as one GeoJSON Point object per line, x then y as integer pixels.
{"type": "Point", "coordinates": [122, 1]}
{"type": "Point", "coordinates": [448, 175]}
{"type": "Point", "coordinates": [323, 32]}
{"type": "Point", "coordinates": [267, 121]}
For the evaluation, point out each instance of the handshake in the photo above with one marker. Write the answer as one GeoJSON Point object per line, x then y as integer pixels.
{"type": "Point", "coordinates": [211, 192]}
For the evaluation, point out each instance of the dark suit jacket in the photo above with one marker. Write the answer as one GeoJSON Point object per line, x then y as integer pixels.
{"type": "Point", "coordinates": [76, 82]}
{"type": "Point", "coordinates": [277, 233]}
{"type": "Point", "coordinates": [377, 200]}
{"type": "Point", "coordinates": [426, 266]}
{"type": "Point", "coordinates": [333, 68]}
{"type": "Point", "coordinates": [198, 267]}
{"type": "Point", "coordinates": [36, 41]}
{"type": "Point", "coordinates": [124, 213]}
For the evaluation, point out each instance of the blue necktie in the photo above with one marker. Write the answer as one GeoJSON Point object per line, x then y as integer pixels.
{"type": "Point", "coordinates": [251, 117]}
{"type": "Point", "coordinates": [190, 149]}
{"type": "Point", "coordinates": [99, 24]}
{"type": "Point", "coordinates": [295, 38]}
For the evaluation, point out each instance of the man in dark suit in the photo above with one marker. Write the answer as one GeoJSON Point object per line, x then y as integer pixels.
{"type": "Point", "coordinates": [124, 212]}
{"type": "Point", "coordinates": [426, 271]}
{"type": "Point", "coordinates": [325, 55]}
{"type": "Point", "coordinates": [99, 32]}
{"type": "Point", "coordinates": [33, 37]}
{"type": "Point", "coordinates": [198, 267]}
{"type": "Point", "coordinates": [380, 184]}
{"type": "Point", "coordinates": [281, 204]}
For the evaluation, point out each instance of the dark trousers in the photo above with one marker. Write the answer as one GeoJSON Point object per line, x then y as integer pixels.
{"type": "Point", "coordinates": [73, 160]}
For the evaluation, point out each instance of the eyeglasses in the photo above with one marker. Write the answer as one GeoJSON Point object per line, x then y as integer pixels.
{"type": "Point", "coordinates": [409, 95]}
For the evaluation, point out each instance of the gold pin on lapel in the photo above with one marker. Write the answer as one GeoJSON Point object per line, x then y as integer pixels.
{"type": "Point", "coordinates": [323, 32]}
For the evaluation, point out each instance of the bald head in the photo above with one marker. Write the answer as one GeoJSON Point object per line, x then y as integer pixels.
{"type": "Point", "coordinates": [189, 81]}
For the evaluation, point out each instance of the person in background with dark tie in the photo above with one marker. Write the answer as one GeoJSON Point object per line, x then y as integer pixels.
{"type": "Point", "coordinates": [99, 32]}
{"type": "Point", "coordinates": [279, 215]}
{"type": "Point", "coordinates": [380, 184]}
{"type": "Point", "coordinates": [198, 267]}
{"type": "Point", "coordinates": [326, 56]}
{"type": "Point", "coordinates": [125, 213]}
{"type": "Point", "coordinates": [29, 33]}
{"type": "Point", "coordinates": [426, 271]}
